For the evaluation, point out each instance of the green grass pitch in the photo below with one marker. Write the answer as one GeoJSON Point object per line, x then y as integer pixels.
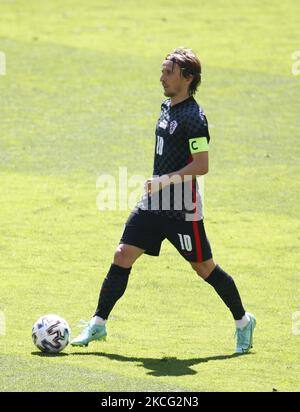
{"type": "Point", "coordinates": [80, 98]}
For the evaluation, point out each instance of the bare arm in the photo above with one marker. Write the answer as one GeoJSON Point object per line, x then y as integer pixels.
{"type": "Point", "coordinates": [197, 167]}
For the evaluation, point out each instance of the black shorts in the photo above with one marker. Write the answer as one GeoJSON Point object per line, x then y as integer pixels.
{"type": "Point", "coordinates": [147, 231]}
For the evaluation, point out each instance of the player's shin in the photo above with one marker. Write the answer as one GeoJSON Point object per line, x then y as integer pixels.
{"type": "Point", "coordinates": [226, 288]}
{"type": "Point", "coordinates": [113, 288]}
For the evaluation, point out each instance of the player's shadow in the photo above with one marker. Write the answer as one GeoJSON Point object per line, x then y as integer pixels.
{"type": "Point", "coordinates": [167, 366]}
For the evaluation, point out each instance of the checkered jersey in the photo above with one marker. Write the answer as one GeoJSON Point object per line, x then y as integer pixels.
{"type": "Point", "coordinates": [175, 126]}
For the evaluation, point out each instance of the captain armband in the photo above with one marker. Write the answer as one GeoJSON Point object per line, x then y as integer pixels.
{"type": "Point", "coordinates": [198, 144]}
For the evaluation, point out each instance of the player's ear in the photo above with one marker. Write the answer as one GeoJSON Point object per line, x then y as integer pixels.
{"type": "Point", "coordinates": [189, 79]}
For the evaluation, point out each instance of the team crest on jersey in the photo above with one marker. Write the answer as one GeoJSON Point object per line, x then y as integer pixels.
{"type": "Point", "coordinates": [163, 124]}
{"type": "Point", "coordinates": [173, 126]}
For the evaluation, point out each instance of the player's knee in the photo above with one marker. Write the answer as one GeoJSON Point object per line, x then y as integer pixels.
{"type": "Point", "coordinates": [204, 269]}
{"type": "Point", "coordinates": [122, 257]}
{"type": "Point", "coordinates": [200, 270]}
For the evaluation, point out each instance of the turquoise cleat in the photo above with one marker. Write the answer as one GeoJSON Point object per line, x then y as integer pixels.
{"type": "Point", "coordinates": [244, 337]}
{"type": "Point", "coordinates": [90, 333]}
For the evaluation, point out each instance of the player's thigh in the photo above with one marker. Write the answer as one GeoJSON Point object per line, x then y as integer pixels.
{"type": "Point", "coordinates": [125, 255]}
{"type": "Point", "coordinates": [143, 230]}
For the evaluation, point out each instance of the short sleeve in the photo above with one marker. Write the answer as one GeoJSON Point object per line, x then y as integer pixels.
{"type": "Point", "coordinates": [197, 132]}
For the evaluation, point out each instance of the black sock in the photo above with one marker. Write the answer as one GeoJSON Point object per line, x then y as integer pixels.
{"type": "Point", "coordinates": [113, 287]}
{"type": "Point", "coordinates": [225, 287]}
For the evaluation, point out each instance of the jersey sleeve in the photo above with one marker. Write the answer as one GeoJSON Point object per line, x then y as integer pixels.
{"type": "Point", "coordinates": [197, 132]}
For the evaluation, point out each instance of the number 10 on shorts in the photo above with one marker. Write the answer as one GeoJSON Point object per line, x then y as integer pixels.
{"type": "Point", "coordinates": [185, 242]}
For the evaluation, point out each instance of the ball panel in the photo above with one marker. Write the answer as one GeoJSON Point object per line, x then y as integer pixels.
{"type": "Point", "coordinates": [51, 333]}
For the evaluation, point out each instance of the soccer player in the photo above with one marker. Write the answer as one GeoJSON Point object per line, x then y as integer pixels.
{"type": "Point", "coordinates": [171, 207]}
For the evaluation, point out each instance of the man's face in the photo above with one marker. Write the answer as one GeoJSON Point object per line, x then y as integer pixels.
{"type": "Point", "coordinates": [172, 80]}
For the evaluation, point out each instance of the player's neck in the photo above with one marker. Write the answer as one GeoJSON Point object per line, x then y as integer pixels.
{"type": "Point", "coordinates": [179, 98]}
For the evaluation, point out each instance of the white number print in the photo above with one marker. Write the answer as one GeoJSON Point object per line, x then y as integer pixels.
{"type": "Point", "coordinates": [185, 242]}
{"type": "Point", "coordinates": [159, 145]}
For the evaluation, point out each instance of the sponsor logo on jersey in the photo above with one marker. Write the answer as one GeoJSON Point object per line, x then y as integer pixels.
{"type": "Point", "coordinates": [173, 126]}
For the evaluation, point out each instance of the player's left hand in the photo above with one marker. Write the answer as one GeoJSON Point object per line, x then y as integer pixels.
{"type": "Point", "coordinates": [154, 184]}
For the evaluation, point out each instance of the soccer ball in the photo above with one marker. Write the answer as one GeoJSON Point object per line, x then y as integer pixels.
{"type": "Point", "coordinates": [51, 333]}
